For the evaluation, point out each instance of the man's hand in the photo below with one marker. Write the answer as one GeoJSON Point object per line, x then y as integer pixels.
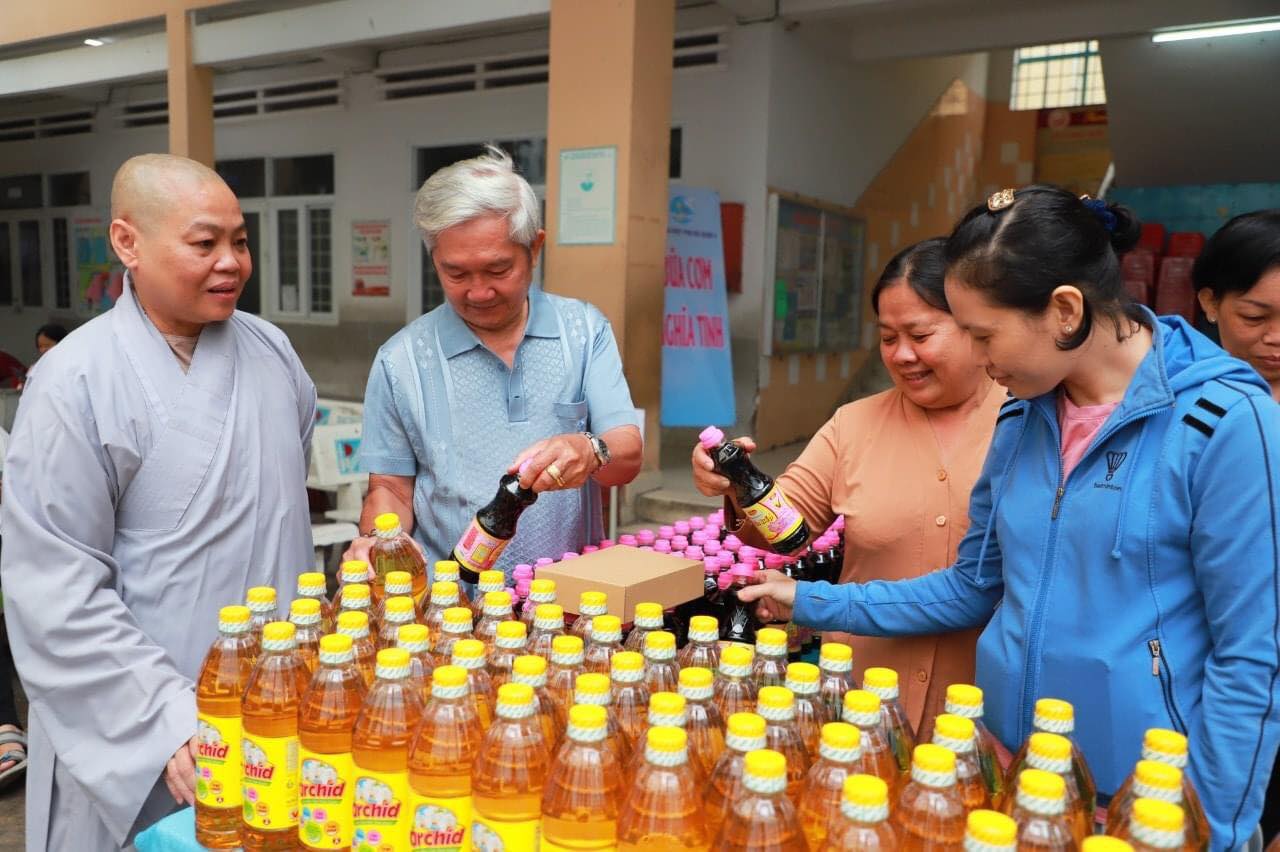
{"type": "Point", "coordinates": [359, 548]}
{"type": "Point", "coordinates": [180, 774]}
{"type": "Point", "coordinates": [775, 593]}
{"type": "Point", "coordinates": [705, 478]}
{"type": "Point", "coordinates": [561, 462]}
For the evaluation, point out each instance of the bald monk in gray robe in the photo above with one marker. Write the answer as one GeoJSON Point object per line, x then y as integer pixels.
{"type": "Point", "coordinates": [156, 470]}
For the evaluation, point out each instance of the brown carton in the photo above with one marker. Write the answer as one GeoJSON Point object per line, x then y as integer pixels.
{"type": "Point", "coordinates": [628, 576]}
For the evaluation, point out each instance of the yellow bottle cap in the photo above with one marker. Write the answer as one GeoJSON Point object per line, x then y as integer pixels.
{"type": "Point", "coordinates": [591, 599]}
{"type": "Point", "coordinates": [453, 676]}
{"type": "Point", "coordinates": [549, 612]}
{"type": "Point", "coordinates": [606, 624]}
{"type": "Point", "coordinates": [964, 695]}
{"type": "Point", "coordinates": [934, 758]}
{"type": "Point", "coordinates": [1050, 746]}
{"type": "Point", "coordinates": [861, 701]}
{"type": "Point", "coordinates": [1055, 710]}
{"type": "Point", "coordinates": [775, 698]}
{"type": "Point", "coordinates": [953, 727]}
{"type": "Point", "coordinates": [511, 629]}
{"type": "Point", "coordinates": [589, 716]}
{"type": "Point", "coordinates": [529, 665]}
{"type": "Point", "coordinates": [771, 640]}
{"type": "Point", "coordinates": [1102, 843]}
{"type": "Point", "coordinates": [626, 661]}
{"type": "Point", "coordinates": [444, 590]}
{"type": "Point", "coordinates": [401, 605]}
{"type": "Point", "coordinates": [386, 522]}
{"type": "Point", "coordinates": [491, 579]}
{"type": "Point", "coordinates": [446, 569]}
{"type": "Point", "coordinates": [566, 646]}
{"type": "Point", "coordinates": [879, 678]}
{"type": "Point", "coordinates": [765, 763]}
{"type": "Point", "coordinates": [457, 615]}
{"type": "Point", "coordinates": [703, 624]}
{"type": "Point", "coordinates": [666, 704]}
{"type": "Point", "coordinates": [234, 614]}
{"type": "Point", "coordinates": [591, 683]}
{"type": "Point", "coordinates": [836, 652]}
{"type": "Point", "coordinates": [746, 725]}
{"type": "Point", "coordinates": [414, 635]}
{"type": "Point", "coordinates": [355, 571]}
{"type": "Point", "coordinates": [659, 640]}
{"type": "Point", "coordinates": [1164, 741]}
{"type": "Point", "coordinates": [803, 672]}
{"type": "Point", "coordinates": [468, 649]}
{"type": "Point", "coordinates": [277, 631]}
{"type": "Point", "coordinates": [991, 828]}
{"type": "Point", "coordinates": [736, 655]}
{"type": "Point", "coordinates": [648, 611]}
{"type": "Point", "coordinates": [1159, 776]}
{"type": "Point", "coordinates": [666, 739]}
{"type": "Point", "coordinates": [355, 595]}
{"type": "Point", "coordinates": [310, 582]}
{"type": "Point", "coordinates": [261, 595]}
{"type": "Point", "coordinates": [392, 658]}
{"type": "Point", "coordinates": [841, 735]}
{"type": "Point", "coordinates": [696, 677]}
{"type": "Point", "coordinates": [1158, 815]}
{"type": "Point", "coordinates": [542, 587]}
{"type": "Point", "coordinates": [1042, 785]}
{"type": "Point", "coordinates": [866, 790]}
{"type": "Point", "coordinates": [515, 694]}
{"type": "Point", "coordinates": [401, 580]}
{"type": "Point", "coordinates": [304, 607]}
{"type": "Point", "coordinates": [354, 622]}
{"type": "Point", "coordinates": [497, 600]}
{"type": "Point", "coordinates": [335, 643]}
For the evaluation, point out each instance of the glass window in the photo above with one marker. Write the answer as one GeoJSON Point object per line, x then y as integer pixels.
{"type": "Point", "coordinates": [677, 143]}
{"type": "Point", "coordinates": [29, 263]}
{"type": "Point", "coordinates": [302, 175]}
{"type": "Point", "coordinates": [61, 264]}
{"type": "Point", "coordinates": [247, 178]}
{"type": "Point", "coordinates": [69, 190]}
{"type": "Point", "coordinates": [20, 192]}
{"type": "Point", "coordinates": [6, 266]}
{"type": "Point", "coordinates": [1057, 75]}
{"type": "Point", "coordinates": [287, 261]}
{"type": "Point", "coordinates": [321, 257]}
{"type": "Point", "coordinates": [251, 296]}
{"type": "Point", "coordinates": [529, 156]}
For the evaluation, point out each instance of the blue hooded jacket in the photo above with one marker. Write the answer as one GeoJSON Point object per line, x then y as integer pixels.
{"type": "Point", "coordinates": [1143, 588]}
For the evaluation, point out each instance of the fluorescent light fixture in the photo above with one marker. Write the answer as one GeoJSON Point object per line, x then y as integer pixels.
{"type": "Point", "coordinates": [1219, 31]}
{"type": "Point", "coordinates": [94, 42]}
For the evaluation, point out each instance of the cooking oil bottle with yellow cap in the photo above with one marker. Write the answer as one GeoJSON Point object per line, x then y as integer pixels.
{"type": "Point", "coordinates": [584, 786]}
{"type": "Point", "coordinates": [1150, 780]}
{"type": "Point", "coordinates": [703, 721]}
{"type": "Point", "coordinates": [630, 696]}
{"type": "Point", "coordinates": [763, 817]}
{"type": "Point", "coordinates": [531, 670]}
{"type": "Point", "coordinates": [990, 831]}
{"type": "Point", "coordinates": [546, 624]}
{"type": "Point", "coordinates": [1102, 843]}
{"type": "Point", "coordinates": [864, 818]}
{"type": "Point", "coordinates": [777, 706]}
{"type": "Point", "coordinates": [662, 808]}
{"type": "Point", "coordinates": [269, 750]}
{"type": "Point", "coordinates": [398, 585]}
{"type": "Point", "coordinates": [839, 757]}
{"type": "Point", "coordinates": [393, 550]}
{"type": "Point", "coordinates": [930, 813]}
{"type": "Point", "coordinates": [593, 688]}
{"type": "Point", "coordinates": [357, 597]}
{"type": "Point", "coordinates": [966, 700]}
{"type": "Point", "coordinates": [811, 713]}
{"type": "Point", "coordinates": [261, 601]}
{"type": "Point", "coordinates": [744, 733]}
{"type": "Point", "coordinates": [703, 648]}
{"type": "Point", "coordinates": [325, 722]}
{"type": "Point", "coordinates": [489, 582]}
{"type": "Point", "coordinates": [957, 734]}
{"type": "Point", "coordinates": [862, 710]}
{"type": "Point", "coordinates": [497, 609]}
{"type": "Point", "coordinates": [661, 674]}
{"type": "Point", "coordinates": [735, 688]}
{"type": "Point", "coordinates": [416, 639]}
{"type": "Point", "coordinates": [444, 595]}
{"type": "Point", "coordinates": [311, 584]}
{"type": "Point", "coordinates": [221, 682]}
{"type": "Point", "coordinates": [1040, 812]}
{"type": "Point", "coordinates": [542, 592]}
{"type": "Point", "coordinates": [509, 775]}
{"type": "Point", "coordinates": [590, 604]}
{"type": "Point", "coordinates": [666, 710]}
{"type": "Point", "coordinates": [835, 662]}
{"type": "Point", "coordinates": [397, 612]}
{"type": "Point", "coordinates": [304, 615]}
{"type": "Point", "coordinates": [468, 655]}
{"type": "Point", "coordinates": [769, 668]}
{"type": "Point", "coordinates": [380, 750]}
{"type": "Point", "coordinates": [1169, 747]}
{"type": "Point", "coordinates": [509, 642]}
{"type": "Point", "coordinates": [1052, 753]}
{"type": "Point", "coordinates": [884, 683]}
{"type": "Point", "coordinates": [448, 571]}
{"type": "Point", "coordinates": [356, 625]}
{"type": "Point", "coordinates": [1054, 716]}
{"type": "Point", "coordinates": [566, 664]}
{"type": "Point", "coordinates": [441, 754]}
{"type": "Point", "coordinates": [1155, 826]}
{"type": "Point", "coordinates": [350, 573]}
{"type": "Point", "coordinates": [605, 641]}
{"type": "Point", "coordinates": [648, 618]}
{"type": "Point", "coordinates": [454, 627]}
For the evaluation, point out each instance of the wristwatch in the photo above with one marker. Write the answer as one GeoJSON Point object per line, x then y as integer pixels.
{"type": "Point", "coordinates": [600, 448]}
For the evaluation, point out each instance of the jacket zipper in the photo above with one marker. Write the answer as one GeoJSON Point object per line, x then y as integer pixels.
{"type": "Point", "coordinates": [1166, 684]}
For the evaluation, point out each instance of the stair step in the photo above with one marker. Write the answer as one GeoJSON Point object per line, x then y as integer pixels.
{"type": "Point", "coordinates": [665, 505]}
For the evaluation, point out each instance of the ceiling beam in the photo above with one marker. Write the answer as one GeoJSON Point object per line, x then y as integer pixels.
{"type": "Point", "coordinates": [78, 66]}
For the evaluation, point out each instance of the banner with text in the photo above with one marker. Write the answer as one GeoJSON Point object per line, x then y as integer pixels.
{"type": "Point", "coordinates": [697, 371]}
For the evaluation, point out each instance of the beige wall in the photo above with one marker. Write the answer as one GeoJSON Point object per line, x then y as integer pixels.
{"type": "Point", "coordinates": [30, 21]}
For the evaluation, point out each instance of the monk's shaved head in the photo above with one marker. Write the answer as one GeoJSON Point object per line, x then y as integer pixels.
{"type": "Point", "coordinates": [148, 184]}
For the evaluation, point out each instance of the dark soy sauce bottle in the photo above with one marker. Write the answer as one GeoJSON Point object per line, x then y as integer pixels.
{"type": "Point", "coordinates": [763, 502]}
{"type": "Point", "coordinates": [492, 528]}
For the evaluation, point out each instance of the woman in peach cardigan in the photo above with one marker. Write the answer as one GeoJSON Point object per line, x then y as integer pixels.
{"type": "Point", "coordinates": [898, 466]}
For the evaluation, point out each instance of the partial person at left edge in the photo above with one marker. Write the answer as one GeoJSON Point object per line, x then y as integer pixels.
{"type": "Point", "coordinates": [156, 470]}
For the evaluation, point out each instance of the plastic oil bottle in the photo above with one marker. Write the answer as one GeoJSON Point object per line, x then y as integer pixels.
{"type": "Point", "coordinates": [398, 585]}
{"type": "Point", "coordinates": [509, 642]}
{"type": "Point", "coordinates": [261, 601]}
{"type": "Point", "coordinates": [835, 661]}
{"type": "Point", "coordinates": [443, 750]}
{"type": "Point", "coordinates": [380, 750]}
{"type": "Point", "coordinates": [468, 655]}
{"type": "Point", "coordinates": [566, 664]}
{"type": "Point", "coordinates": [811, 713]}
{"type": "Point", "coordinates": [269, 751]}
{"type": "Point", "coordinates": [593, 688]}
{"type": "Point", "coordinates": [448, 571]}
{"type": "Point", "coordinates": [648, 618]}
{"type": "Point", "coordinates": [531, 670]}
{"type": "Point", "coordinates": [497, 609]}
{"type": "Point", "coordinates": [763, 818]}
{"type": "Point", "coordinates": [444, 595]}
{"type": "Point", "coordinates": [541, 592]}
{"type": "Point", "coordinates": [957, 734]}
{"type": "Point", "coordinates": [662, 808]}
{"type": "Point", "coordinates": [356, 625]}
{"type": "Point", "coordinates": [1040, 813]}
{"type": "Point", "coordinates": [703, 722]}
{"type": "Point", "coordinates": [666, 710]}
{"type": "Point", "coordinates": [630, 697]}
{"type": "Point", "coordinates": [735, 688]}
{"type": "Point", "coordinates": [590, 605]}
{"type": "Point", "coordinates": [490, 581]}
{"type": "Point", "coordinates": [745, 733]}
{"type": "Point", "coordinates": [967, 700]}
{"type": "Point", "coordinates": [1102, 843]}
{"type": "Point", "coordinates": [222, 680]}
{"type": "Point", "coordinates": [304, 615]}
{"type": "Point", "coordinates": [1155, 826]}
{"type": "Point", "coordinates": [584, 786]}
{"type": "Point", "coordinates": [325, 722]}
{"type": "Point", "coordinates": [703, 648]}
{"type": "Point", "coordinates": [1170, 747]}
{"type": "Point", "coordinates": [416, 639]}
{"type": "Point", "coordinates": [862, 710]}
{"type": "Point", "coordinates": [1150, 780]}
{"type": "Point", "coordinates": [930, 814]}
{"type": "Point", "coordinates": [661, 674]}
{"type": "Point", "coordinates": [1056, 717]}
{"type": "Point", "coordinates": [547, 623]}
{"type": "Point", "coordinates": [311, 584]}
{"type": "Point", "coordinates": [393, 550]}
{"type": "Point", "coordinates": [865, 825]}
{"type": "Point", "coordinates": [770, 665]}
{"type": "Point", "coordinates": [357, 597]}
{"type": "Point", "coordinates": [606, 640]}
{"type": "Point", "coordinates": [762, 501]}
{"type": "Point", "coordinates": [352, 572]}
{"type": "Point", "coordinates": [1052, 753]}
{"type": "Point", "coordinates": [777, 706]}
{"type": "Point", "coordinates": [510, 774]}
{"type": "Point", "coordinates": [455, 627]}
{"type": "Point", "coordinates": [397, 612]}
{"type": "Point", "coordinates": [990, 831]}
{"type": "Point", "coordinates": [821, 803]}
{"type": "Point", "coordinates": [884, 683]}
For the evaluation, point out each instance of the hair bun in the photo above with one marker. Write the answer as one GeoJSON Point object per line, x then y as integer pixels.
{"type": "Point", "coordinates": [1128, 229]}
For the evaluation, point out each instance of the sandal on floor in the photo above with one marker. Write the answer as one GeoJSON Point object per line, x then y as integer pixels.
{"type": "Point", "coordinates": [13, 746]}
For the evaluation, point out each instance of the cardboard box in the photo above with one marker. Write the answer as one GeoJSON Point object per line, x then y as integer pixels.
{"type": "Point", "coordinates": [628, 576]}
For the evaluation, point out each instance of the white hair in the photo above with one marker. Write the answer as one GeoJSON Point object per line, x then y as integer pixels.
{"type": "Point", "coordinates": [481, 186]}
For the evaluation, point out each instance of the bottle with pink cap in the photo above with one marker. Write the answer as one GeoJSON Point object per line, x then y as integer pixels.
{"type": "Point", "coordinates": [732, 543]}
{"type": "Point", "coordinates": [694, 552]}
{"type": "Point", "coordinates": [493, 527]}
{"type": "Point", "coordinates": [628, 540]}
{"type": "Point", "coordinates": [739, 623]}
{"type": "Point", "coordinates": [646, 538]}
{"type": "Point", "coordinates": [662, 546]}
{"type": "Point", "coordinates": [697, 523]}
{"type": "Point", "coordinates": [762, 501]}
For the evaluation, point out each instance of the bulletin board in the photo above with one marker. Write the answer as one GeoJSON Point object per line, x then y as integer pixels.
{"type": "Point", "coordinates": [816, 260]}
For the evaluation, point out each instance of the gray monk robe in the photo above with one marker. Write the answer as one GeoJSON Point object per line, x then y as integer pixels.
{"type": "Point", "coordinates": [137, 501]}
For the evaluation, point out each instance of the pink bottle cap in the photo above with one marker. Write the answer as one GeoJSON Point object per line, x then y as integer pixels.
{"type": "Point", "coordinates": [522, 572]}
{"type": "Point", "coordinates": [682, 527]}
{"type": "Point", "coordinates": [568, 555]}
{"type": "Point", "coordinates": [726, 559]}
{"type": "Point", "coordinates": [712, 547]}
{"type": "Point", "coordinates": [680, 542]}
{"type": "Point", "coordinates": [645, 536]}
{"type": "Point", "coordinates": [774, 561]}
{"type": "Point", "coordinates": [662, 546]}
{"type": "Point", "coordinates": [732, 542]}
{"type": "Point", "coordinates": [606, 543]}
{"type": "Point", "coordinates": [590, 548]}
{"type": "Point", "coordinates": [546, 560]}
{"type": "Point", "coordinates": [698, 537]}
{"type": "Point", "coordinates": [667, 531]}
{"type": "Point", "coordinates": [710, 565]}
{"type": "Point", "coordinates": [629, 540]}
{"type": "Point", "coordinates": [716, 517]}
{"type": "Point", "coordinates": [838, 526]}
{"type": "Point", "coordinates": [522, 588]}
{"type": "Point", "coordinates": [724, 580]}
{"type": "Point", "coordinates": [693, 552]}
{"type": "Point", "coordinates": [743, 571]}
{"type": "Point", "coordinates": [697, 522]}
{"type": "Point", "coordinates": [712, 531]}
{"type": "Point", "coordinates": [710, 438]}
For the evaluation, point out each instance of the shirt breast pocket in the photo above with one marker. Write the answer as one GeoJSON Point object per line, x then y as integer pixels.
{"type": "Point", "coordinates": [572, 416]}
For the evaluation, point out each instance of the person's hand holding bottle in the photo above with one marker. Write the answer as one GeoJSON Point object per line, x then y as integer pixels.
{"type": "Point", "coordinates": [705, 478]}
{"type": "Point", "coordinates": [774, 594]}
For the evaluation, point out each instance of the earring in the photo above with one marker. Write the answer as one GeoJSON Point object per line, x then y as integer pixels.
{"type": "Point", "coordinates": [1213, 319]}
{"type": "Point", "coordinates": [1067, 329]}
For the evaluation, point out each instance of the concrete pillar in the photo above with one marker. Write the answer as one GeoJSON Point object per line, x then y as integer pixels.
{"type": "Point", "coordinates": [190, 93]}
{"type": "Point", "coordinates": [611, 85]}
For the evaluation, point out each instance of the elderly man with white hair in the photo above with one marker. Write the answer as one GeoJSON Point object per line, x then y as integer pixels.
{"type": "Point", "coordinates": [499, 374]}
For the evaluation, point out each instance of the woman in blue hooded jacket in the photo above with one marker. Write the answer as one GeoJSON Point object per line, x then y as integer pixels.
{"type": "Point", "coordinates": [1123, 547]}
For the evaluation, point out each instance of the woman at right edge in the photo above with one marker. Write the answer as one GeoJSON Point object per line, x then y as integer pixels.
{"type": "Point", "coordinates": [1123, 540]}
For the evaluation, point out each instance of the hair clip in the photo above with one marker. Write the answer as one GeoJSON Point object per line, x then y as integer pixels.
{"type": "Point", "coordinates": [1098, 208]}
{"type": "Point", "coordinates": [1000, 200]}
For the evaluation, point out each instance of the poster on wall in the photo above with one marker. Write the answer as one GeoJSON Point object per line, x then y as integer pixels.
{"type": "Point", "coordinates": [371, 258]}
{"type": "Point", "coordinates": [99, 276]}
{"type": "Point", "coordinates": [1072, 148]}
{"type": "Point", "coordinates": [697, 370]}
{"type": "Point", "coordinates": [588, 195]}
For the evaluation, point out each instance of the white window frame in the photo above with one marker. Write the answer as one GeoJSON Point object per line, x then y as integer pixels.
{"type": "Point", "coordinates": [44, 226]}
{"type": "Point", "coordinates": [269, 208]}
